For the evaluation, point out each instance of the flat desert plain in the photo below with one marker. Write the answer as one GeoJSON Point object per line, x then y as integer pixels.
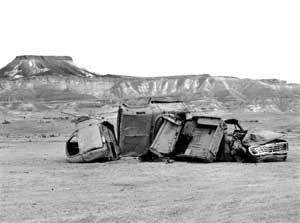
{"type": "Point", "coordinates": [38, 185]}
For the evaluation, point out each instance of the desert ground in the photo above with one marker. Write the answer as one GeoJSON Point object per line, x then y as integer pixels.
{"type": "Point", "coordinates": [38, 185]}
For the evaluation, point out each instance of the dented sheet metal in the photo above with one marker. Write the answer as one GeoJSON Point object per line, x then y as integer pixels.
{"type": "Point", "coordinates": [92, 140]}
{"type": "Point", "coordinates": [166, 138]}
{"type": "Point", "coordinates": [206, 134]}
{"type": "Point", "coordinates": [136, 125]}
{"type": "Point", "coordinates": [270, 152]}
{"type": "Point", "coordinates": [89, 137]}
{"type": "Point", "coordinates": [135, 128]}
{"type": "Point", "coordinates": [261, 137]}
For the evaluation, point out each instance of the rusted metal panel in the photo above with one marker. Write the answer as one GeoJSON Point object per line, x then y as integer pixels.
{"type": "Point", "coordinates": [203, 120]}
{"type": "Point", "coordinates": [110, 140]}
{"type": "Point", "coordinates": [167, 136]}
{"type": "Point", "coordinates": [136, 125]}
{"type": "Point", "coordinates": [135, 133]}
{"type": "Point", "coordinates": [207, 134]}
{"type": "Point", "coordinates": [89, 137]}
{"type": "Point", "coordinates": [177, 107]}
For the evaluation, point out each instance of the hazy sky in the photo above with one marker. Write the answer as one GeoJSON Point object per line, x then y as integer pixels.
{"type": "Point", "coordinates": [254, 39]}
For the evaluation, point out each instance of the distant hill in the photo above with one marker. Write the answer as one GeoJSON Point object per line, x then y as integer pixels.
{"type": "Point", "coordinates": [30, 66]}
{"type": "Point", "coordinates": [48, 79]}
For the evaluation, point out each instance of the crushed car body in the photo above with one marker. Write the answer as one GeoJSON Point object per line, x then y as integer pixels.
{"type": "Point", "coordinates": [206, 134]}
{"type": "Point", "coordinates": [136, 124]}
{"type": "Point", "coordinates": [93, 140]}
{"type": "Point", "coordinates": [207, 139]}
{"type": "Point", "coordinates": [198, 139]}
{"type": "Point", "coordinates": [266, 146]}
{"type": "Point", "coordinates": [167, 135]}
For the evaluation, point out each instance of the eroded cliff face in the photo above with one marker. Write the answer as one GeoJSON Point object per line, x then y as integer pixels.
{"type": "Point", "coordinates": [40, 78]}
{"type": "Point", "coordinates": [98, 88]}
{"type": "Point", "coordinates": [217, 93]}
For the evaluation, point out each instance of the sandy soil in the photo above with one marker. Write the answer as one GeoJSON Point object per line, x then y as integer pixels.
{"type": "Point", "coordinates": [38, 185]}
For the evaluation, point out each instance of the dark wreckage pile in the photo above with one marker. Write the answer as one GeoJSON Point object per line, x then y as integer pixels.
{"type": "Point", "coordinates": [167, 131]}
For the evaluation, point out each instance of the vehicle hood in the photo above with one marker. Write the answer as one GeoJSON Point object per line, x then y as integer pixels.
{"type": "Point", "coordinates": [261, 137]}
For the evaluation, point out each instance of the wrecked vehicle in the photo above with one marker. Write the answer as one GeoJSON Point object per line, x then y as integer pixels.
{"type": "Point", "coordinates": [167, 135]}
{"type": "Point", "coordinates": [259, 146]}
{"type": "Point", "coordinates": [232, 148]}
{"type": "Point", "coordinates": [136, 124]}
{"type": "Point", "coordinates": [207, 139]}
{"type": "Point", "coordinates": [266, 146]}
{"type": "Point", "coordinates": [206, 134]}
{"type": "Point", "coordinates": [196, 139]}
{"type": "Point", "coordinates": [93, 140]}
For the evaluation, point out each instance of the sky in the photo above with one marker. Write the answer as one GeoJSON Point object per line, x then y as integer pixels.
{"type": "Point", "coordinates": [246, 39]}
